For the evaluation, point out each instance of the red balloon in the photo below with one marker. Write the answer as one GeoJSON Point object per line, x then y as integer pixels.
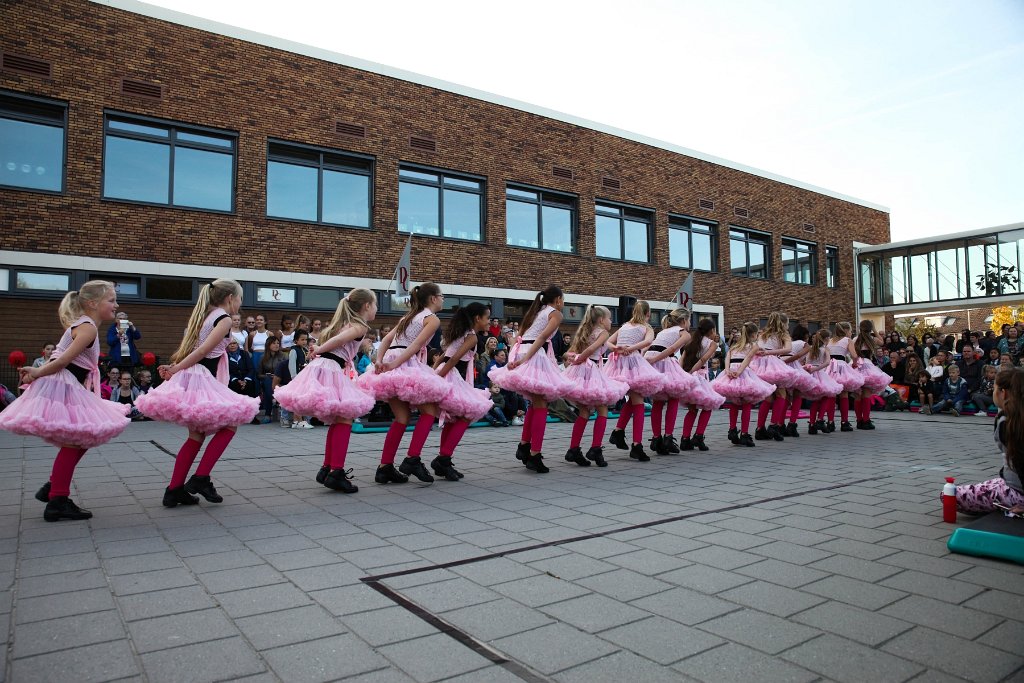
{"type": "Point", "coordinates": [149, 358]}
{"type": "Point", "coordinates": [16, 358]}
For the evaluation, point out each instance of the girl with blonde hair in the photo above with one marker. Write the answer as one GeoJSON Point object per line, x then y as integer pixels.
{"type": "Point", "coordinates": [677, 384]}
{"type": "Point", "coordinates": [841, 371]}
{"type": "Point", "coordinates": [628, 365]}
{"type": "Point", "coordinates": [740, 385]}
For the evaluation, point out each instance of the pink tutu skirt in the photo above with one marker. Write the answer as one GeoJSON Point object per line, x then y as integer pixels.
{"type": "Point", "coordinates": [874, 379]}
{"type": "Point", "coordinates": [413, 382]}
{"type": "Point", "coordinates": [591, 387]}
{"type": "Point", "coordinates": [463, 400]}
{"type": "Point", "coordinates": [62, 412]}
{"type": "Point", "coordinates": [746, 388]}
{"type": "Point", "coordinates": [676, 382]}
{"type": "Point", "coordinates": [824, 386]}
{"type": "Point", "coordinates": [539, 376]}
{"type": "Point", "coordinates": [841, 372]}
{"type": "Point", "coordinates": [774, 370]}
{"type": "Point", "coordinates": [193, 398]}
{"type": "Point", "coordinates": [703, 395]}
{"type": "Point", "coordinates": [635, 371]}
{"type": "Point", "coordinates": [323, 390]}
{"type": "Point", "coordinates": [803, 382]}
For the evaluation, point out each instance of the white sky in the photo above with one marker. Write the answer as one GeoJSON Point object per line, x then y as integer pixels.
{"type": "Point", "coordinates": [917, 105]}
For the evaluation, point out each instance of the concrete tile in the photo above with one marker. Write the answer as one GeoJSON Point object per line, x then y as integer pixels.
{"type": "Point", "coordinates": [855, 568]}
{"type": "Point", "coordinates": [685, 606]}
{"type": "Point", "coordinates": [704, 579]}
{"type": "Point", "coordinates": [624, 585]}
{"type": "Point", "coordinates": [67, 632]}
{"type": "Point", "coordinates": [49, 584]}
{"type": "Point", "coordinates": [971, 660]}
{"type": "Point", "coordinates": [999, 602]}
{"type": "Point", "coordinates": [929, 585]}
{"type": "Point", "coordinates": [326, 659]}
{"type": "Point", "coordinates": [414, 658]}
{"type": "Point", "coordinates": [594, 613]}
{"type": "Point", "coordinates": [161, 603]}
{"type": "Point", "coordinates": [60, 605]}
{"type": "Point", "coordinates": [392, 624]}
{"type": "Point", "coordinates": [89, 664]}
{"type": "Point", "coordinates": [129, 584]}
{"type": "Point", "coordinates": [176, 630]}
{"type": "Point", "coordinates": [782, 602]}
{"type": "Point", "coordinates": [942, 616]}
{"type": "Point", "coordinates": [448, 595]}
{"type": "Point", "coordinates": [759, 630]}
{"type": "Point", "coordinates": [733, 663]}
{"type": "Point", "coordinates": [844, 660]}
{"type": "Point", "coordinates": [854, 592]}
{"type": "Point", "coordinates": [781, 573]}
{"type": "Point", "coordinates": [233, 657]}
{"type": "Point", "coordinates": [618, 667]}
{"type": "Point", "coordinates": [661, 640]}
{"type": "Point", "coordinates": [251, 601]}
{"type": "Point", "coordinates": [498, 619]}
{"type": "Point", "coordinates": [790, 552]}
{"type": "Point", "coordinates": [572, 567]}
{"type": "Point", "coordinates": [498, 570]}
{"type": "Point", "coordinates": [553, 648]}
{"type": "Point", "coordinates": [1007, 636]}
{"type": "Point", "coordinates": [266, 631]}
{"type": "Point", "coordinates": [869, 628]}
{"type": "Point", "coordinates": [239, 579]}
{"type": "Point", "coordinates": [536, 591]}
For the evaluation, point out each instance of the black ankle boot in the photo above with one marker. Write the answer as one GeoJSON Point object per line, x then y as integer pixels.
{"type": "Point", "coordinates": [846, 427]}
{"type": "Point", "coordinates": [869, 424]}
{"type": "Point", "coordinates": [43, 494]}
{"type": "Point", "coordinates": [685, 444]}
{"type": "Point", "coordinates": [819, 427]}
{"type": "Point", "coordinates": [536, 463]}
{"type": "Point", "coordinates": [414, 466]}
{"type": "Point", "coordinates": [670, 444]}
{"type": "Point", "coordinates": [658, 445]}
{"type": "Point", "coordinates": [812, 428]}
{"type": "Point", "coordinates": [698, 442]}
{"type": "Point", "coordinates": [746, 440]}
{"type": "Point", "coordinates": [830, 426]}
{"type": "Point", "coordinates": [637, 453]}
{"type": "Point", "coordinates": [522, 452]}
{"type": "Point", "coordinates": [778, 433]}
{"type": "Point", "coordinates": [596, 455]}
{"type": "Point", "coordinates": [442, 466]}
{"type": "Point", "coordinates": [618, 439]}
{"type": "Point", "coordinates": [204, 487]}
{"type": "Point", "coordinates": [338, 480]}
{"type": "Point", "coordinates": [322, 474]}
{"type": "Point", "coordinates": [576, 455]}
{"type": "Point", "coordinates": [762, 434]}
{"type": "Point", "coordinates": [62, 507]}
{"type": "Point", "coordinates": [387, 474]}
{"type": "Point", "coordinates": [178, 496]}
{"type": "Point", "coordinates": [734, 436]}
{"type": "Point", "coordinates": [793, 430]}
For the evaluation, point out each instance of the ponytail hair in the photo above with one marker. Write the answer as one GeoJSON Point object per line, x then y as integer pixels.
{"type": "Point", "coordinates": [462, 321]}
{"type": "Point", "coordinates": [591, 317]}
{"type": "Point", "coordinates": [777, 326]}
{"type": "Point", "coordinates": [71, 306]}
{"type": "Point", "coordinates": [418, 298]}
{"type": "Point", "coordinates": [844, 328]}
{"type": "Point", "coordinates": [1011, 380]}
{"type": "Point", "coordinates": [820, 339]}
{"type": "Point", "coordinates": [641, 313]}
{"type": "Point", "coordinates": [213, 294]}
{"type": "Point", "coordinates": [674, 318]}
{"type": "Point", "coordinates": [691, 352]}
{"type": "Point", "coordinates": [543, 298]}
{"type": "Point", "coordinates": [866, 338]}
{"type": "Point", "coordinates": [347, 313]}
{"type": "Point", "coordinates": [748, 335]}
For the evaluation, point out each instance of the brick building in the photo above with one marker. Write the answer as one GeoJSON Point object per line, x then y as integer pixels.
{"type": "Point", "coordinates": [162, 150]}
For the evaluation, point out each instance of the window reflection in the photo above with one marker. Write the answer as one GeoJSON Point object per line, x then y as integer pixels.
{"type": "Point", "coordinates": [439, 204]}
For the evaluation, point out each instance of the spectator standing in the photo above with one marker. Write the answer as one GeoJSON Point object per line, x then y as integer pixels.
{"type": "Point", "coordinates": [1011, 344]}
{"type": "Point", "coordinates": [265, 372]}
{"type": "Point", "coordinates": [494, 329]}
{"type": "Point", "coordinates": [237, 333]}
{"type": "Point", "coordinates": [314, 330]}
{"type": "Point", "coordinates": [257, 343]}
{"type": "Point", "coordinates": [287, 332]}
{"type": "Point", "coordinates": [121, 338]}
{"type": "Point", "coordinates": [43, 359]}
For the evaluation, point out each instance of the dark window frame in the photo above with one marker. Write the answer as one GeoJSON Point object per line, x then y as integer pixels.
{"type": "Point", "coordinates": [761, 237]}
{"type": "Point", "coordinates": [712, 226]}
{"type": "Point", "coordinates": [370, 172]}
{"type": "Point", "coordinates": [799, 248]}
{"type": "Point", "coordinates": [639, 213]}
{"type": "Point", "coordinates": [832, 267]}
{"type": "Point", "coordinates": [540, 203]}
{"type": "Point", "coordinates": [14, 290]}
{"type": "Point", "coordinates": [443, 173]}
{"type": "Point", "coordinates": [41, 120]}
{"type": "Point", "coordinates": [174, 127]}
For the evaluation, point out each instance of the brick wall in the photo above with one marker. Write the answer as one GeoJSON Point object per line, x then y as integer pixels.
{"type": "Point", "coordinates": [260, 92]}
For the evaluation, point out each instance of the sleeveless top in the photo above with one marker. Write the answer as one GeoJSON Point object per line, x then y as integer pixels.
{"type": "Point", "coordinates": [738, 355]}
{"type": "Point", "coordinates": [798, 346]}
{"type": "Point", "coordinates": [770, 344]}
{"type": "Point", "coordinates": [287, 341]}
{"type": "Point", "coordinates": [241, 336]}
{"type": "Point", "coordinates": [462, 366]}
{"type": "Point", "coordinates": [599, 352]}
{"type": "Point", "coordinates": [664, 339]}
{"type": "Point", "coordinates": [630, 334]}
{"type": "Point", "coordinates": [841, 348]}
{"type": "Point", "coordinates": [821, 359]}
{"type": "Point", "coordinates": [87, 362]}
{"type": "Point", "coordinates": [539, 323]}
{"type": "Point", "coordinates": [216, 356]}
{"type": "Point", "coordinates": [259, 341]}
{"type": "Point", "coordinates": [345, 354]}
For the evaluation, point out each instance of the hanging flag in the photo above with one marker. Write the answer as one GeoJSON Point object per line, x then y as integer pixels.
{"type": "Point", "coordinates": [684, 297]}
{"type": "Point", "coordinates": [402, 273]}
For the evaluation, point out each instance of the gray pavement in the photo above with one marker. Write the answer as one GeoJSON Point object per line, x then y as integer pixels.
{"type": "Point", "coordinates": [821, 558]}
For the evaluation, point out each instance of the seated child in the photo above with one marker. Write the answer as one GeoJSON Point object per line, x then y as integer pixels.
{"type": "Point", "coordinates": [923, 391]}
{"type": "Point", "coordinates": [1006, 489]}
{"type": "Point", "coordinates": [954, 394]}
{"type": "Point", "coordinates": [496, 415]}
{"type": "Point", "coordinates": [982, 398]}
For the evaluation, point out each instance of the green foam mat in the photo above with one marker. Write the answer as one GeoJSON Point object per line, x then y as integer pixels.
{"type": "Point", "coordinates": [994, 535]}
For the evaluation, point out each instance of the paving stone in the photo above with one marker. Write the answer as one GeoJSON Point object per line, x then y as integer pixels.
{"type": "Point", "coordinates": [536, 591]}
{"type": "Point", "coordinates": [624, 585]}
{"type": "Point", "coordinates": [661, 640]}
{"type": "Point", "coordinates": [448, 595]}
{"type": "Point", "coordinates": [1007, 636]}
{"type": "Point", "coordinates": [498, 570]}
{"type": "Point", "coordinates": [844, 660]}
{"type": "Point", "coordinates": [233, 658]}
{"type": "Point", "coordinates": [854, 592]}
{"type": "Point", "coordinates": [481, 621]}
{"type": "Point", "coordinates": [251, 601]}
{"type": "Point", "coordinates": [1010, 581]}
{"type": "Point", "coordinates": [971, 660]}
{"type": "Point", "coordinates": [553, 648]}
{"type": "Point", "coordinates": [350, 599]}
{"type": "Point", "coordinates": [63, 605]}
{"type": "Point", "coordinates": [856, 568]}
{"type": "Point", "coordinates": [572, 567]}
{"type": "Point", "coordinates": [704, 579]}
{"type": "Point", "coordinates": [67, 632]}
{"type": "Point", "coordinates": [325, 576]}
{"type": "Point", "coordinates": [781, 573]}
{"type": "Point", "coordinates": [790, 552]}
{"type": "Point", "coordinates": [618, 667]}
{"type": "Point", "coordinates": [92, 663]}
{"type": "Point", "coordinates": [940, 588]}
{"type": "Point", "coordinates": [176, 630]}
{"type": "Point", "coordinates": [734, 663]}
{"type": "Point", "coordinates": [133, 564]}
{"type": "Point", "coordinates": [685, 606]}
{"type": "Point", "coordinates": [213, 562]}
{"type": "Point", "coordinates": [129, 584]}
{"type": "Point", "coordinates": [759, 630]}
{"type": "Point", "coordinates": [285, 627]}
{"type": "Point", "coordinates": [942, 616]}
{"type": "Point", "coordinates": [161, 603]}
{"type": "Point", "coordinates": [782, 602]}
{"type": "Point", "coordinates": [865, 551]}
{"type": "Point", "coordinates": [326, 659]}
{"type": "Point", "coordinates": [41, 566]}
{"type": "Point", "coordinates": [593, 613]}
{"type": "Point", "coordinates": [870, 628]}
{"type": "Point", "coordinates": [1009, 605]}
{"type": "Point", "coordinates": [734, 539]}
{"type": "Point", "coordinates": [421, 658]}
{"type": "Point", "coordinates": [928, 564]}
{"type": "Point", "coordinates": [601, 547]}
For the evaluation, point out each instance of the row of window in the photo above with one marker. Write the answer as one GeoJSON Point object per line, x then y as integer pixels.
{"type": "Point", "coordinates": [164, 163]}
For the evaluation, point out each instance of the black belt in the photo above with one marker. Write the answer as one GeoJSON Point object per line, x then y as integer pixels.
{"type": "Point", "coordinates": [390, 348]}
{"type": "Point", "coordinates": [530, 341]}
{"type": "Point", "coordinates": [736, 360]}
{"type": "Point", "coordinates": [656, 348]}
{"type": "Point", "coordinates": [835, 357]}
{"type": "Point", "coordinates": [461, 365]}
{"type": "Point", "coordinates": [210, 364]}
{"type": "Point", "coordinates": [336, 358]}
{"type": "Point", "coordinates": [80, 373]}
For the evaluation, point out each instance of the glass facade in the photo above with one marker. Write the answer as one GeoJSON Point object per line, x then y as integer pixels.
{"type": "Point", "coordinates": [749, 253]}
{"type": "Point", "coordinates": [31, 143]}
{"type": "Point", "coordinates": [540, 219]}
{"type": "Point", "coordinates": [440, 204]}
{"type": "Point", "coordinates": [318, 185]}
{"type": "Point", "coordinates": [973, 267]}
{"type": "Point", "coordinates": [799, 261]}
{"type": "Point", "coordinates": [692, 244]}
{"type": "Point", "coordinates": [831, 267]}
{"type": "Point", "coordinates": [623, 233]}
